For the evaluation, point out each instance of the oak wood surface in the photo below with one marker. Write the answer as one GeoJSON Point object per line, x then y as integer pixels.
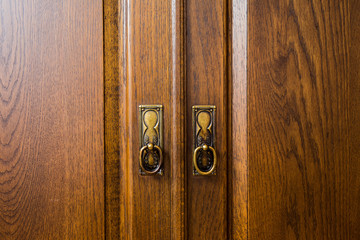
{"type": "Point", "coordinates": [303, 179]}
{"type": "Point", "coordinates": [206, 84]}
{"type": "Point", "coordinates": [51, 120]}
{"type": "Point", "coordinates": [238, 130]}
{"type": "Point", "coordinates": [113, 39]}
{"type": "Point", "coordinates": [297, 119]}
{"type": "Point", "coordinates": [151, 62]}
{"type": "Point", "coordinates": [354, 128]}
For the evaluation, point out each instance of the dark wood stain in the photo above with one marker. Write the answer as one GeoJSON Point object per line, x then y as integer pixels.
{"type": "Point", "coordinates": [302, 160]}
{"type": "Point", "coordinates": [51, 120]}
{"type": "Point", "coordinates": [206, 84]}
{"type": "Point", "coordinates": [284, 76]}
{"type": "Point", "coordinates": [113, 28]}
{"type": "Point", "coordinates": [151, 63]}
{"type": "Point", "coordinates": [354, 129]}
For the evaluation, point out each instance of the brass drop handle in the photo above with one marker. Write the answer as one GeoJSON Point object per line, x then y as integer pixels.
{"type": "Point", "coordinates": [204, 148]}
{"type": "Point", "coordinates": [151, 148]}
{"type": "Point", "coordinates": [204, 156]}
{"type": "Point", "coordinates": [151, 140]}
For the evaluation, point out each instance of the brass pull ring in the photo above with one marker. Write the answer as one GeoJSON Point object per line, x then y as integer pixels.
{"type": "Point", "coordinates": [150, 147]}
{"type": "Point", "coordinates": [205, 148]}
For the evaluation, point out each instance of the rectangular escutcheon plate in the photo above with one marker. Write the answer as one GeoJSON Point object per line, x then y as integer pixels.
{"type": "Point", "coordinates": [204, 154]}
{"type": "Point", "coordinates": [151, 139]}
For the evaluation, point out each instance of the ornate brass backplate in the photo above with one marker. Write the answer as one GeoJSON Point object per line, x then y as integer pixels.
{"type": "Point", "coordinates": [151, 139]}
{"type": "Point", "coordinates": [204, 158]}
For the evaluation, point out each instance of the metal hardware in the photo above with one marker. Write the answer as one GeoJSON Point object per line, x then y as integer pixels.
{"type": "Point", "coordinates": [151, 139]}
{"type": "Point", "coordinates": [204, 157]}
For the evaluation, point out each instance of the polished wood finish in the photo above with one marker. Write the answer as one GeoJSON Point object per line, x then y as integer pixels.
{"type": "Point", "coordinates": [354, 129]}
{"type": "Point", "coordinates": [151, 62]}
{"type": "Point", "coordinates": [206, 84]}
{"type": "Point", "coordinates": [283, 75]}
{"type": "Point", "coordinates": [287, 135]}
{"type": "Point", "coordinates": [303, 179]}
{"type": "Point", "coordinates": [51, 120]}
{"type": "Point", "coordinates": [238, 125]}
{"type": "Point", "coordinates": [113, 39]}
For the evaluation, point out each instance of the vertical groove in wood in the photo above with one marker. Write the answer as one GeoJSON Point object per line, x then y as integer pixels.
{"type": "Point", "coordinates": [238, 145]}
{"type": "Point", "coordinates": [113, 26]}
{"type": "Point", "coordinates": [177, 156]}
{"type": "Point", "coordinates": [124, 128]}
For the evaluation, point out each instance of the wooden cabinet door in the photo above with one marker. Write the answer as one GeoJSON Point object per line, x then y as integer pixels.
{"type": "Point", "coordinates": [164, 61]}
{"type": "Point", "coordinates": [303, 120]}
{"type": "Point", "coordinates": [51, 120]}
{"type": "Point", "coordinates": [283, 77]}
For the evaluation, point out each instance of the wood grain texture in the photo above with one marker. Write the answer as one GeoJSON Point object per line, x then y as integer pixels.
{"type": "Point", "coordinates": [301, 180]}
{"type": "Point", "coordinates": [238, 129]}
{"type": "Point", "coordinates": [51, 120]}
{"type": "Point", "coordinates": [151, 63]}
{"type": "Point", "coordinates": [178, 113]}
{"type": "Point", "coordinates": [206, 84]}
{"type": "Point", "coordinates": [354, 119]}
{"type": "Point", "coordinates": [113, 26]}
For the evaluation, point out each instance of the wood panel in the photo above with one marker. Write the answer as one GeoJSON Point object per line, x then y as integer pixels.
{"type": "Point", "coordinates": [206, 84]}
{"type": "Point", "coordinates": [238, 128]}
{"type": "Point", "coordinates": [151, 207]}
{"type": "Point", "coordinates": [354, 119]}
{"type": "Point", "coordinates": [51, 120]}
{"type": "Point", "coordinates": [113, 39]}
{"type": "Point", "coordinates": [301, 180]}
